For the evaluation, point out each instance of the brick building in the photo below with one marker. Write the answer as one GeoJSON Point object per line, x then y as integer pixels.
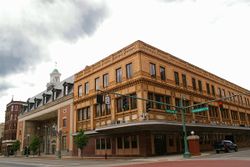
{"type": "Point", "coordinates": [144, 71]}
{"type": "Point", "coordinates": [10, 127]}
{"type": "Point", "coordinates": [1, 136]}
{"type": "Point", "coordinates": [49, 116]}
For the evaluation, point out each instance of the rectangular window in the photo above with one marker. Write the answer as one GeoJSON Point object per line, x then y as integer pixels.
{"type": "Point", "coordinates": [184, 80]}
{"type": "Point", "coordinates": [97, 84]}
{"type": "Point", "coordinates": [219, 91]}
{"type": "Point", "coordinates": [86, 90]}
{"type": "Point", "coordinates": [152, 70]}
{"type": "Point", "coordinates": [108, 143]}
{"type": "Point", "coordinates": [194, 83]}
{"type": "Point", "coordinates": [119, 104]}
{"type": "Point", "coordinates": [105, 80]}
{"type": "Point", "coordinates": [126, 142]}
{"type": "Point", "coordinates": [133, 102]}
{"type": "Point", "coordinates": [102, 143]}
{"type": "Point", "coordinates": [98, 144]}
{"type": "Point", "coordinates": [213, 90]}
{"type": "Point", "coordinates": [134, 141]}
{"type": "Point", "coordinates": [79, 90]}
{"type": "Point", "coordinates": [64, 122]}
{"type": "Point", "coordinates": [224, 92]}
{"type": "Point", "coordinates": [98, 109]}
{"type": "Point", "coordinates": [229, 93]}
{"type": "Point", "coordinates": [200, 85]}
{"type": "Point", "coordinates": [79, 114]}
{"type": "Point", "coordinates": [119, 75]}
{"type": "Point", "coordinates": [176, 77]}
{"type": "Point", "coordinates": [119, 143]}
{"type": "Point", "coordinates": [163, 73]}
{"type": "Point", "coordinates": [208, 88]}
{"type": "Point", "coordinates": [129, 70]}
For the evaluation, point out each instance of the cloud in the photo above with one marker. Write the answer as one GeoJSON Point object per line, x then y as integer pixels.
{"type": "Point", "coordinates": [4, 86]}
{"type": "Point", "coordinates": [27, 34]}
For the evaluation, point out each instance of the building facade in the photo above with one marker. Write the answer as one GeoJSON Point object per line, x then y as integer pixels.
{"type": "Point", "coordinates": [49, 116]}
{"type": "Point", "coordinates": [10, 126]}
{"type": "Point", "coordinates": [1, 136]}
{"type": "Point", "coordinates": [124, 126]}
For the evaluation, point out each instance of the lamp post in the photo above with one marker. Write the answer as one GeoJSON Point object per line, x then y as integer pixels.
{"type": "Point", "coordinates": [183, 118]}
{"type": "Point", "coordinates": [27, 146]}
{"type": "Point", "coordinates": [59, 135]}
{"type": "Point", "coordinates": [39, 135]}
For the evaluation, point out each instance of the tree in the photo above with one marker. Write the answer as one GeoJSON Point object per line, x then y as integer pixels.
{"type": "Point", "coordinates": [81, 140]}
{"type": "Point", "coordinates": [35, 144]}
{"type": "Point", "coordinates": [16, 146]}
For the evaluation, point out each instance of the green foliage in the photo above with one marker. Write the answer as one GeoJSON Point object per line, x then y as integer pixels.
{"type": "Point", "coordinates": [16, 146]}
{"type": "Point", "coordinates": [35, 144]}
{"type": "Point", "coordinates": [81, 140]}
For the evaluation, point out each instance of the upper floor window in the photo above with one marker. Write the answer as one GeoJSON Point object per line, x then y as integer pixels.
{"type": "Point", "coordinates": [66, 90]}
{"type": "Point", "coordinates": [152, 70]}
{"type": "Point", "coordinates": [224, 92]}
{"type": "Point", "coordinates": [79, 90]}
{"type": "Point", "coordinates": [176, 77]}
{"type": "Point", "coordinates": [119, 75]}
{"type": "Point", "coordinates": [184, 80]}
{"type": "Point", "coordinates": [219, 91]}
{"type": "Point", "coordinates": [213, 90]}
{"type": "Point", "coordinates": [200, 85]}
{"type": "Point", "coordinates": [129, 70]}
{"type": "Point", "coordinates": [163, 73]}
{"type": "Point", "coordinates": [208, 88]}
{"type": "Point", "coordinates": [194, 83]}
{"type": "Point", "coordinates": [97, 84]}
{"type": "Point", "coordinates": [86, 88]}
{"type": "Point", "coordinates": [105, 80]}
{"type": "Point", "coordinates": [64, 122]}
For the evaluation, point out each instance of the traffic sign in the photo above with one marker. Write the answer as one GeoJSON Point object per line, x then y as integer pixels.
{"type": "Point", "coordinates": [171, 111]}
{"type": "Point", "coordinates": [107, 99]}
{"type": "Point", "coordinates": [200, 109]}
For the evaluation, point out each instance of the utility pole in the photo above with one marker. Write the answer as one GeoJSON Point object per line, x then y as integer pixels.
{"type": "Point", "coordinates": [183, 118]}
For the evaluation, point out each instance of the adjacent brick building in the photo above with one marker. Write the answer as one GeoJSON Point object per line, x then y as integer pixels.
{"type": "Point", "coordinates": [10, 127]}
{"type": "Point", "coordinates": [49, 115]}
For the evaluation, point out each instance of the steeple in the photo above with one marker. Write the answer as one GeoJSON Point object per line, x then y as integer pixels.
{"type": "Point", "coordinates": [54, 79]}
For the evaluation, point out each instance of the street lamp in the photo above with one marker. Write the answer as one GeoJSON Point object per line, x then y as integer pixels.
{"type": "Point", "coordinates": [59, 135]}
{"type": "Point", "coordinates": [39, 135]}
{"type": "Point", "coordinates": [27, 145]}
{"type": "Point", "coordinates": [186, 151]}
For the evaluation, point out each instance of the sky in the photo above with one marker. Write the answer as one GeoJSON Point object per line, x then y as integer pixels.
{"type": "Point", "coordinates": [37, 36]}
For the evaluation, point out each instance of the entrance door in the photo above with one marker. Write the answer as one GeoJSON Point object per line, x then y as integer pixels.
{"type": "Point", "coordinates": [160, 144]}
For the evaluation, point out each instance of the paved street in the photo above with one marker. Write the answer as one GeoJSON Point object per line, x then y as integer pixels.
{"type": "Point", "coordinates": [233, 159]}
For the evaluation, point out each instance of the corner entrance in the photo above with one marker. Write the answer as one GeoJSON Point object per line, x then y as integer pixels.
{"type": "Point", "coordinates": [160, 144]}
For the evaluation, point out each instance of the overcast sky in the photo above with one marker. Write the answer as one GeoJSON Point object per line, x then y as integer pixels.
{"type": "Point", "coordinates": [34, 34]}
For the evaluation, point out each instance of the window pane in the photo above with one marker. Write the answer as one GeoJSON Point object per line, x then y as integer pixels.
{"type": "Point", "coordinates": [102, 143]}
{"type": "Point", "coordinates": [105, 80]}
{"type": "Point", "coordinates": [108, 143]}
{"type": "Point", "coordinates": [134, 141]}
{"type": "Point", "coordinates": [98, 144]}
{"type": "Point", "coordinates": [97, 86]}
{"type": "Point", "coordinates": [152, 70]}
{"type": "Point", "coordinates": [126, 142]}
{"type": "Point", "coordinates": [119, 143]}
{"type": "Point", "coordinates": [86, 88]}
{"type": "Point", "coordinates": [119, 75]}
{"type": "Point", "coordinates": [184, 80]}
{"type": "Point", "coordinates": [79, 90]}
{"type": "Point", "coordinates": [194, 83]}
{"type": "Point", "coordinates": [176, 76]}
{"type": "Point", "coordinates": [163, 73]}
{"type": "Point", "coordinates": [129, 70]}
